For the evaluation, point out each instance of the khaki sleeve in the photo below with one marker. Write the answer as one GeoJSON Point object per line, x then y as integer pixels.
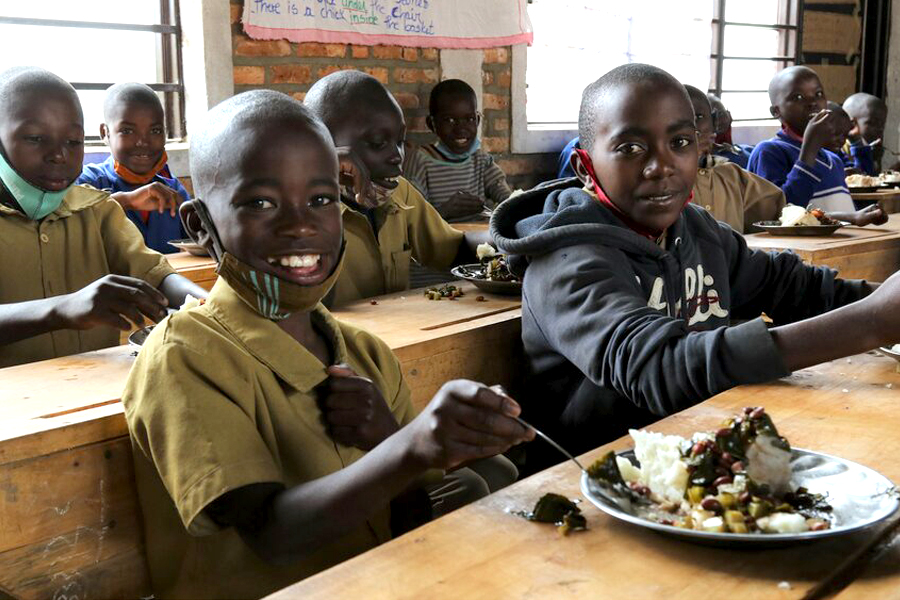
{"type": "Point", "coordinates": [126, 252]}
{"type": "Point", "coordinates": [434, 243]}
{"type": "Point", "coordinates": [763, 200]}
{"type": "Point", "coordinates": [191, 414]}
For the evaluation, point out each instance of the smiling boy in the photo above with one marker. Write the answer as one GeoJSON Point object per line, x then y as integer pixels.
{"type": "Point", "coordinates": [629, 290]}
{"type": "Point", "coordinates": [387, 222]}
{"type": "Point", "coordinates": [136, 172]}
{"type": "Point", "coordinates": [76, 271]}
{"type": "Point", "coordinates": [454, 174]}
{"type": "Point", "coordinates": [797, 159]}
{"type": "Point", "coordinates": [269, 438]}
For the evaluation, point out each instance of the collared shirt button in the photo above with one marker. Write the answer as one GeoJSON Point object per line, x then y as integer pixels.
{"type": "Point", "coordinates": [703, 171]}
{"type": "Point", "coordinates": [45, 238]}
{"type": "Point", "coordinates": [708, 207]}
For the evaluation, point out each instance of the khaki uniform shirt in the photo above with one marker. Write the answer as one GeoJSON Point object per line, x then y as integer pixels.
{"type": "Point", "coordinates": [408, 227]}
{"type": "Point", "coordinates": [84, 239]}
{"type": "Point", "coordinates": [220, 398]}
{"type": "Point", "coordinates": [737, 197]}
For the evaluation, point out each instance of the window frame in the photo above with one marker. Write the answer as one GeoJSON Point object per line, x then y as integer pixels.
{"type": "Point", "coordinates": [790, 32]}
{"type": "Point", "coordinates": [169, 62]}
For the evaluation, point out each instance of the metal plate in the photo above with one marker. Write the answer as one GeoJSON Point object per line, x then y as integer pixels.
{"type": "Point", "coordinates": [507, 288]}
{"type": "Point", "coordinates": [890, 353]}
{"type": "Point", "coordinates": [776, 228]}
{"type": "Point", "coordinates": [860, 497]}
{"type": "Point", "coordinates": [190, 246]}
{"type": "Point", "coordinates": [868, 189]}
{"type": "Point", "coordinates": [137, 338]}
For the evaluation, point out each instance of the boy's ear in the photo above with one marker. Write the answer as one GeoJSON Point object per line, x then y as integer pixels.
{"type": "Point", "coordinates": [775, 112]}
{"type": "Point", "coordinates": [429, 120]}
{"type": "Point", "coordinates": [194, 225]}
{"type": "Point", "coordinates": [104, 132]}
{"type": "Point", "coordinates": [580, 170]}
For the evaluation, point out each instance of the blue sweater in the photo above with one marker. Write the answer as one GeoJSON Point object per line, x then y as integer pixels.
{"type": "Point", "coordinates": [860, 158]}
{"type": "Point", "coordinates": [739, 154]}
{"type": "Point", "coordinates": [159, 228]}
{"type": "Point", "coordinates": [823, 186]}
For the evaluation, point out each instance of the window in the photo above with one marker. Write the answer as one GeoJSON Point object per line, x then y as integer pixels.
{"type": "Point", "coordinates": [751, 42]}
{"type": "Point", "coordinates": [94, 45]}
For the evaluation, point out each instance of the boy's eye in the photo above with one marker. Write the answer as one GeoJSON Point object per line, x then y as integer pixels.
{"type": "Point", "coordinates": [126, 131]}
{"type": "Point", "coordinates": [321, 201]}
{"type": "Point", "coordinates": [76, 142]}
{"type": "Point", "coordinates": [156, 131]}
{"type": "Point", "coordinates": [377, 144]}
{"type": "Point", "coordinates": [260, 203]}
{"type": "Point", "coordinates": [629, 149]}
{"type": "Point", "coordinates": [34, 138]}
{"type": "Point", "coordinates": [682, 142]}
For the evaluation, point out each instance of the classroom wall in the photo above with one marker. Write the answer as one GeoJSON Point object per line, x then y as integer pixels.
{"type": "Point", "coordinates": [892, 130]}
{"type": "Point", "coordinates": [831, 42]}
{"type": "Point", "coordinates": [409, 73]}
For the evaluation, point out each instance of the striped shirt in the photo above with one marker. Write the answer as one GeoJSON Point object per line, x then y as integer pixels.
{"type": "Point", "coordinates": [438, 179]}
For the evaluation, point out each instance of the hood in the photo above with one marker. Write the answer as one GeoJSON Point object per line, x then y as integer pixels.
{"type": "Point", "coordinates": [558, 214]}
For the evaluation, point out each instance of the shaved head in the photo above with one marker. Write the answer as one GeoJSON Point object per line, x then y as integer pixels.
{"type": "Point", "coordinates": [857, 104]}
{"type": "Point", "coordinates": [344, 97]}
{"type": "Point", "coordinates": [698, 98]}
{"type": "Point", "coordinates": [650, 79]}
{"type": "Point", "coordinates": [237, 124]}
{"type": "Point", "coordinates": [784, 79]}
{"type": "Point", "coordinates": [121, 95]}
{"type": "Point", "coordinates": [19, 86]}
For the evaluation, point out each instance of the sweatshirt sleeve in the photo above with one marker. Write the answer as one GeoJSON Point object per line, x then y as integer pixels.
{"type": "Point", "coordinates": [781, 285]}
{"type": "Point", "coordinates": [763, 200]}
{"type": "Point", "coordinates": [495, 187]}
{"type": "Point", "coordinates": [861, 154]}
{"type": "Point", "coordinates": [797, 180]}
{"type": "Point", "coordinates": [587, 305]}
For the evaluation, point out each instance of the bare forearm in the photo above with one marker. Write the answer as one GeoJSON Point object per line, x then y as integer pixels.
{"type": "Point", "coordinates": [303, 518]}
{"type": "Point", "coordinates": [819, 339]}
{"type": "Point", "coordinates": [23, 320]}
{"type": "Point", "coordinates": [175, 287]}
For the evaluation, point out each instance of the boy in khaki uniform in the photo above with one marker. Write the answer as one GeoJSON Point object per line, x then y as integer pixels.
{"type": "Point", "coordinates": [269, 438]}
{"type": "Point", "coordinates": [387, 222]}
{"type": "Point", "coordinates": [76, 270]}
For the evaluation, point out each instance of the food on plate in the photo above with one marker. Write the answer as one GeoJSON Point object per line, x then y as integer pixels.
{"type": "Point", "coordinates": [795, 216]}
{"type": "Point", "coordinates": [559, 510]}
{"type": "Point", "coordinates": [859, 180]}
{"type": "Point", "coordinates": [735, 479]}
{"type": "Point", "coordinates": [492, 267]}
{"type": "Point", "coordinates": [485, 250]}
{"type": "Point", "coordinates": [445, 291]}
{"type": "Point", "coordinates": [890, 177]}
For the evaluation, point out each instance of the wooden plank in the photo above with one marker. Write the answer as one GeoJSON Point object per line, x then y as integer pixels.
{"type": "Point", "coordinates": [199, 269]}
{"type": "Point", "coordinates": [473, 226]}
{"type": "Point", "coordinates": [482, 551]}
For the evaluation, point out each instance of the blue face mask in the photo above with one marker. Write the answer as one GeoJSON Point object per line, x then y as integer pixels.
{"type": "Point", "coordinates": [34, 202]}
{"type": "Point", "coordinates": [451, 155]}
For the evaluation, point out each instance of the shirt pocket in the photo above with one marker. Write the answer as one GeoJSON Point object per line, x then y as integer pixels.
{"type": "Point", "coordinates": [398, 278]}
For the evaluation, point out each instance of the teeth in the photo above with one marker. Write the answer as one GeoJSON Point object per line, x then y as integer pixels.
{"type": "Point", "coordinates": [295, 261]}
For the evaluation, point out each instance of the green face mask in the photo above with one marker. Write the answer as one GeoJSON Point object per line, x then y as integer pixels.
{"type": "Point", "coordinates": [273, 297]}
{"type": "Point", "coordinates": [34, 202]}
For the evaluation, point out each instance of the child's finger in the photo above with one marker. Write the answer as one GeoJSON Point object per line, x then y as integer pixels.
{"type": "Point", "coordinates": [340, 370]}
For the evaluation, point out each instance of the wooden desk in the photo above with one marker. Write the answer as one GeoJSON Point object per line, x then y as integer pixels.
{"type": "Point", "coordinates": [199, 269]}
{"type": "Point", "coordinates": [871, 252]}
{"type": "Point", "coordinates": [888, 199]}
{"type": "Point", "coordinates": [482, 551]}
{"type": "Point", "coordinates": [69, 520]}
{"type": "Point", "coordinates": [473, 226]}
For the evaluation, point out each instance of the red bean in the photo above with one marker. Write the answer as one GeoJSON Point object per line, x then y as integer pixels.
{"type": "Point", "coordinates": [819, 526]}
{"type": "Point", "coordinates": [737, 467]}
{"type": "Point", "coordinates": [724, 432]}
{"type": "Point", "coordinates": [698, 448]}
{"type": "Point", "coordinates": [744, 497]}
{"type": "Point", "coordinates": [710, 503]}
{"type": "Point", "coordinates": [748, 410]}
{"type": "Point", "coordinates": [757, 412]}
{"type": "Point", "coordinates": [727, 458]}
{"type": "Point", "coordinates": [722, 480]}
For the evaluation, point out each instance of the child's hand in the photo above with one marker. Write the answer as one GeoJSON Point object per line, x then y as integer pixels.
{"type": "Point", "coordinates": [462, 204]}
{"type": "Point", "coordinates": [466, 421]}
{"type": "Point", "coordinates": [354, 410]}
{"type": "Point", "coordinates": [853, 136]}
{"type": "Point", "coordinates": [110, 301]}
{"type": "Point", "coordinates": [355, 176]}
{"type": "Point", "coordinates": [819, 130]}
{"type": "Point", "coordinates": [153, 196]}
{"type": "Point", "coordinates": [870, 215]}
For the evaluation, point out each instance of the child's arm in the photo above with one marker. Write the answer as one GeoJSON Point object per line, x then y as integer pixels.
{"type": "Point", "coordinates": [818, 131]}
{"type": "Point", "coordinates": [464, 421]}
{"type": "Point", "coordinates": [870, 215]}
{"type": "Point", "coordinates": [461, 204]}
{"type": "Point", "coordinates": [176, 287]}
{"type": "Point", "coordinates": [113, 300]}
{"type": "Point", "coordinates": [796, 180]}
{"type": "Point", "coordinates": [153, 197]}
{"type": "Point", "coordinates": [861, 152]}
{"type": "Point", "coordinates": [496, 189]}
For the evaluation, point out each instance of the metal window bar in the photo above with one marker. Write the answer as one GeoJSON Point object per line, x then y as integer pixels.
{"type": "Point", "coordinates": [170, 58]}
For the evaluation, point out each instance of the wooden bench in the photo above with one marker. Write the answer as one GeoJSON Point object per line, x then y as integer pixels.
{"type": "Point", "coordinates": [69, 518]}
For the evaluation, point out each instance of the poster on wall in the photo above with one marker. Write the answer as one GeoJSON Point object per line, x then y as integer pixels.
{"type": "Point", "coordinates": [423, 23]}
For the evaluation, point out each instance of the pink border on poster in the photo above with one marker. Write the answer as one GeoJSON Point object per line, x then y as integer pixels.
{"type": "Point", "coordinates": [371, 39]}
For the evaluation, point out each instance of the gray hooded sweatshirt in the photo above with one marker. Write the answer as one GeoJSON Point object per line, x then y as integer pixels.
{"type": "Point", "coordinates": [619, 331]}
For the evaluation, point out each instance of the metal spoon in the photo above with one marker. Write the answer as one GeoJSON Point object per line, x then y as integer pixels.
{"type": "Point", "coordinates": [544, 436]}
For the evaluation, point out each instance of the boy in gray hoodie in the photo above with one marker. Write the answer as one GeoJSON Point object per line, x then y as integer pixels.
{"type": "Point", "coordinates": [630, 290]}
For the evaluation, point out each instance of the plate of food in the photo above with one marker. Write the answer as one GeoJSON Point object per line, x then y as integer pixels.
{"type": "Point", "coordinates": [890, 178]}
{"type": "Point", "coordinates": [190, 246]}
{"type": "Point", "coordinates": [891, 351]}
{"type": "Point", "coordinates": [859, 183]}
{"type": "Point", "coordinates": [796, 220]}
{"type": "Point", "coordinates": [491, 274]}
{"type": "Point", "coordinates": [739, 485]}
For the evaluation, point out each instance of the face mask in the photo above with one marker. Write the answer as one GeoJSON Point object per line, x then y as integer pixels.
{"type": "Point", "coordinates": [451, 155]}
{"type": "Point", "coordinates": [34, 202]}
{"type": "Point", "coordinates": [605, 201]}
{"type": "Point", "coordinates": [129, 176]}
{"type": "Point", "coordinates": [270, 296]}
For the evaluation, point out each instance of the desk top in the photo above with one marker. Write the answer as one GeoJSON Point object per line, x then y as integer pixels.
{"type": "Point", "coordinates": [183, 261]}
{"type": "Point", "coordinates": [42, 403]}
{"type": "Point", "coordinates": [847, 240]}
{"type": "Point", "coordinates": [842, 408]}
{"type": "Point", "coordinates": [891, 194]}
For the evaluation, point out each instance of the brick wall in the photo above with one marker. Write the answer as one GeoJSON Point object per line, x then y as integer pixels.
{"type": "Point", "coordinates": [409, 73]}
{"type": "Point", "coordinates": [831, 44]}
